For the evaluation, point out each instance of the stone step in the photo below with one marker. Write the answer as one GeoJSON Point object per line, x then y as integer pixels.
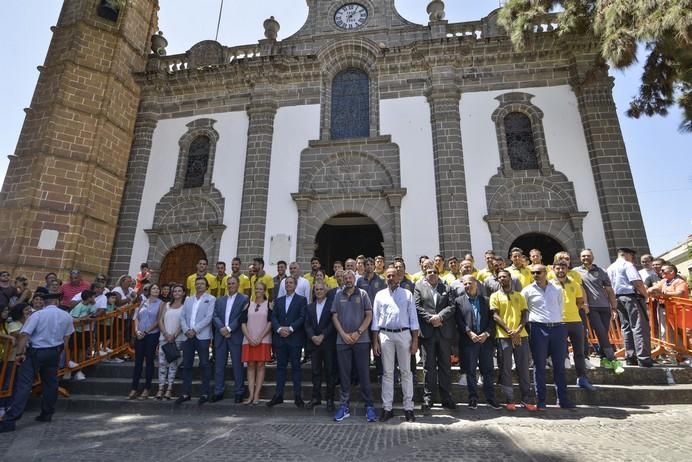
{"type": "Point", "coordinates": [658, 375]}
{"type": "Point", "coordinates": [612, 395]}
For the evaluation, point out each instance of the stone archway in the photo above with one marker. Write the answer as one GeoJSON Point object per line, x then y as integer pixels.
{"type": "Point", "coordinates": [348, 235]}
{"type": "Point", "coordinates": [180, 262]}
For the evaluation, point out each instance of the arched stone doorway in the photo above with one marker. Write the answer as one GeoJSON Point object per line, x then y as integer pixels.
{"type": "Point", "coordinates": [180, 262]}
{"type": "Point", "coordinates": [546, 244]}
{"type": "Point", "coordinates": [347, 235]}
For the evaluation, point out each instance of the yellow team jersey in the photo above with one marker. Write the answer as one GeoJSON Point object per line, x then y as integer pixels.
{"type": "Point", "coordinates": [483, 274]}
{"type": "Point", "coordinates": [449, 278]}
{"type": "Point", "coordinates": [415, 277]}
{"type": "Point", "coordinates": [571, 273]}
{"type": "Point", "coordinates": [571, 291]}
{"type": "Point", "coordinates": [509, 307]}
{"type": "Point", "coordinates": [190, 283]}
{"type": "Point", "coordinates": [268, 282]}
{"type": "Point", "coordinates": [523, 274]}
{"type": "Point", "coordinates": [329, 281]}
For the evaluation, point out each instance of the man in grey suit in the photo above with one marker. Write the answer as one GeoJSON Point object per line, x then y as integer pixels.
{"type": "Point", "coordinates": [437, 326]}
{"type": "Point", "coordinates": [229, 339]}
{"type": "Point", "coordinates": [195, 322]}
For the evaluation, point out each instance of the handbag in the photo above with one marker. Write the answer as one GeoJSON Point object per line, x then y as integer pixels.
{"type": "Point", "coordinates": [171, 351]}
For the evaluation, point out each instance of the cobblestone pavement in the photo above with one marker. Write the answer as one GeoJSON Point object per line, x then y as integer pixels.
{"type": "Point", "coordinates": [614, 434]}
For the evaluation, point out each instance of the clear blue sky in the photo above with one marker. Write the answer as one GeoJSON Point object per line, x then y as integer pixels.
{"type": "Point", "coordinates": [660, 156]}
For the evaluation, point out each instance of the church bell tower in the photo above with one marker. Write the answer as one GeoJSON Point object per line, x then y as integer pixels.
{"type": "Point", "coordinates": [60, 200]}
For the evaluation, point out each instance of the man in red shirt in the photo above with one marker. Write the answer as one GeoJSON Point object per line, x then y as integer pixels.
{"type": "Point", "coordinates": [72, 288]}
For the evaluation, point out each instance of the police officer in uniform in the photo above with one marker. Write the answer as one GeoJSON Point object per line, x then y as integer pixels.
{"type": "Point", "coordinates": [47, 331]}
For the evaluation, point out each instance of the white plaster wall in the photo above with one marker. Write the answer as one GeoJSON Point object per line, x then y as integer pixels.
{"type": "Point", "coordinates": [228, 172]}
{"type": "Point", "coordinates": [294, 126]}
{"type": "Point", "coordinates": [567, 151]}
{"type": "Point", "coordinates": [407, 120]}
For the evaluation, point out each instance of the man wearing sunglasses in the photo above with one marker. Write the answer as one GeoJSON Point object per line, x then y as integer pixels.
{"type": "Point", "coordinates": [547, 335]}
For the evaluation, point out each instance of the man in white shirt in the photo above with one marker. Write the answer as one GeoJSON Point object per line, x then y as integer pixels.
{"type": "Point", "coordinates": [395, 335]}
{"type": "Point", "coordinates": [302, 284]}
{"type": "Point", "coordinates": [548, 335]}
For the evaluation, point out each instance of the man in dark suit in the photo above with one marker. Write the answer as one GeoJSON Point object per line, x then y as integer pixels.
{"type": "Point", "coordinates": [476, 340]}
{"type": "Point", "coordinates": [437, 329]}
{"type": "Point", "coordinates": [321, 345]}
{"type": "Point", "coordinates": [229, 339]}
{"type": "Point", "coordinates": [288, 319]}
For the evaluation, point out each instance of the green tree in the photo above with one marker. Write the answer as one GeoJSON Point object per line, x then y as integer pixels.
{"type": "Point", "coordinates": [664, 27]}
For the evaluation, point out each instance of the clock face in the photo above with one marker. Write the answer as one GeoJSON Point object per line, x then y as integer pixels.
{"type": "Point", "coordinates": [351, 16]}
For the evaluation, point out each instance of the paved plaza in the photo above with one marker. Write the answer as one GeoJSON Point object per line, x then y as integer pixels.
{"type": "Point", "coordinates": [613, 434]}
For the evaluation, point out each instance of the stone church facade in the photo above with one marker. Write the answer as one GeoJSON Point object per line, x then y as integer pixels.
{"type": "Point", "coordinates": [365, 132]}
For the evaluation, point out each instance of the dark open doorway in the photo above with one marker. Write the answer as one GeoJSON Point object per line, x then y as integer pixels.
{"type": "Point", "coordinates": [346, 236]}
{"type": "Point", "coordinates": [546, 244]}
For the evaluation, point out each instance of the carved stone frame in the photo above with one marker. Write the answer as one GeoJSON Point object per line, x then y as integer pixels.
{"type": "Point", "coordinates": [196, 128]}
{"type": "Point", "coordinates": [520, 102]}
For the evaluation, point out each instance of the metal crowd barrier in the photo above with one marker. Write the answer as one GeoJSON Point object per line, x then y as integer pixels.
{"type": "Point", "coordinates": [95, 340]}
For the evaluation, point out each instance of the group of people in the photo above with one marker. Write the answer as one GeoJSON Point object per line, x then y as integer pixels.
{"type": "Point", "coordinates": [514, 315]}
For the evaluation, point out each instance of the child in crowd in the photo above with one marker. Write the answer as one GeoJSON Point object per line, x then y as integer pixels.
{"type": "Point", "coordinates": [82, 312]}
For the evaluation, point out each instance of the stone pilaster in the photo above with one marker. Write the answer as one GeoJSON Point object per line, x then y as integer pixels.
{"type": "Point", "coordinates": [132, 197]}
{"type": "Point", "coordinates": [450, 181]}
{"type": "Point", "coordinates": [617, 197]}
{"type": "Point", "coordinates": [253, 215]}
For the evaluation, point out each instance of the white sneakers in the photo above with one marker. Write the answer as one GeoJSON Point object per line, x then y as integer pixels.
{"type": "Point", "coordinates": [72, 365]}
{"type": "Point", "coordinates": [79, 376]}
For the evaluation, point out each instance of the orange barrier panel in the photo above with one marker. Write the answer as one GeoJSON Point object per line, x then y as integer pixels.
{"type": "Point", "coordinates": [95, 339]}
{"type": "Point", "coordinates": [671, 324]}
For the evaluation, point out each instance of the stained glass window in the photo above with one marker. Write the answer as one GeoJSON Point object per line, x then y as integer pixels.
{"type": "Point", "coordinates": [350, 105]}
{"type": "Point", "coordinates": [520, 144]}
{"type": "Point", "coordinates": [197, 160]}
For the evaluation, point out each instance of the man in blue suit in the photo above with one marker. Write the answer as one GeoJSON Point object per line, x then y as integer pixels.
{"type": "Point", "coordinates": [229, 339]}
{"type": "Point", "coordinates": [195, 323]}
{"type": "Point", "coordinates": [288, 318]}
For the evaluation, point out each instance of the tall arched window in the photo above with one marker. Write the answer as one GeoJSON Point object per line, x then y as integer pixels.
{"type": "Point", "coordinates": [197, 161]}
{"type": "Point", "coordinates": [521, 148]}
{"type": "Point", "coordinates": [350, 116]}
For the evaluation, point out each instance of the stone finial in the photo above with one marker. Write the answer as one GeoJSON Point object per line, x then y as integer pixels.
{"type": "Point", "coordinates": [159, 44]}
{"type": "Point", "coordinates": [271, 28]}
{"type": "Point", "coordinates": [436, 10]}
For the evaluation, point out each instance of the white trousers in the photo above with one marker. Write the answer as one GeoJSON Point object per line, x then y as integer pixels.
{"type": "Point", "coordinates": [395, 345]}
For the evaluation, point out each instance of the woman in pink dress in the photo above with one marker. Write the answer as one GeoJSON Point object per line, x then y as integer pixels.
{"type": "Point", "coordinates": [257, 344]}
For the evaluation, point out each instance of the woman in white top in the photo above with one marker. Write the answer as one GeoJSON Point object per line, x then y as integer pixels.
{"type": "Point", "coordinates": [169, 323]}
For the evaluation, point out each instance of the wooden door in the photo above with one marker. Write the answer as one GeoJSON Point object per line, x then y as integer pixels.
{"type": "Point", "coordinates": [179, 263]}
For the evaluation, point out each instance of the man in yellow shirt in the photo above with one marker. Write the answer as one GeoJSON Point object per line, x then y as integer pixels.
{"type": "Point", "coordinates": [474, 270]}
{"type": "Point", "coordinates": [415, 277]}
{"type": "Point", "coordinates": [574, 317]}
{"type": "Point", "coordinates": [220, 280]}
{"type": "Point", "coordinates": [379, 266]}
{"type": "Point", "coordinates": [571, 273]}
{"type": "Point", "coordinates": [439, 262]}
{"type": "Point", "coordinates": [454, 273]}
{"type": "Point", "coordinates": [489, 269]}
{"type": "Point", "coordinates": [518, 268]}
{"type": "Point", "coordinates": [535, 257]}
{"type": "Point", "coordinates": [202, 265]}
{"type": "Point", "coordinates": [243, 280]}
{"type": "Point", "coordinates": [315, 266]}
{"type": "Point", "coordinates": [260, 275]}
{"type": "Point", "coordinates": [511, 313]}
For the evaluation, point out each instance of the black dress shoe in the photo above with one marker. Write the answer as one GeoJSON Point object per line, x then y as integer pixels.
{"type": "Point", "coordinates": [451, 405]}
{"type": "Point", "coordinates": [312, 403]}
{"type": "Point", "coordinates": [202, 399]}
{"type": "Point", "coordinates": [299, 402]}
{"type": "Point", "coordinates": [44, 418]}
{"type": "Point", "coordinates": [182, 399]}
{"type": "Point", "coordinates": [408, 415]}
{"type": "Point", "coordinates": [386, 415]}
{"type": "Point", "coordinates": [631, 361]}
{"type": "Point", "coordinates": [215, 398]}
{"type": "Point", "coordinates": [648, 363]}
{"type": "Point", "coordinates": [275, 400]}
{"type": "Point", "coordinates": [330, 405]}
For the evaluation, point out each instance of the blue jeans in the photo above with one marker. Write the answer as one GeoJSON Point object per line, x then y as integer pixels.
{"type": "Point", "coordinates": [190, 346]}
{"type": "Point", "coordinates": [549, 341]}
{"type": "Point", "coordinates": [145, 349]}
{"type": "Point", "coordinates": [220, 357]}
{"type": "Point", "coordinates": [45, 362]}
